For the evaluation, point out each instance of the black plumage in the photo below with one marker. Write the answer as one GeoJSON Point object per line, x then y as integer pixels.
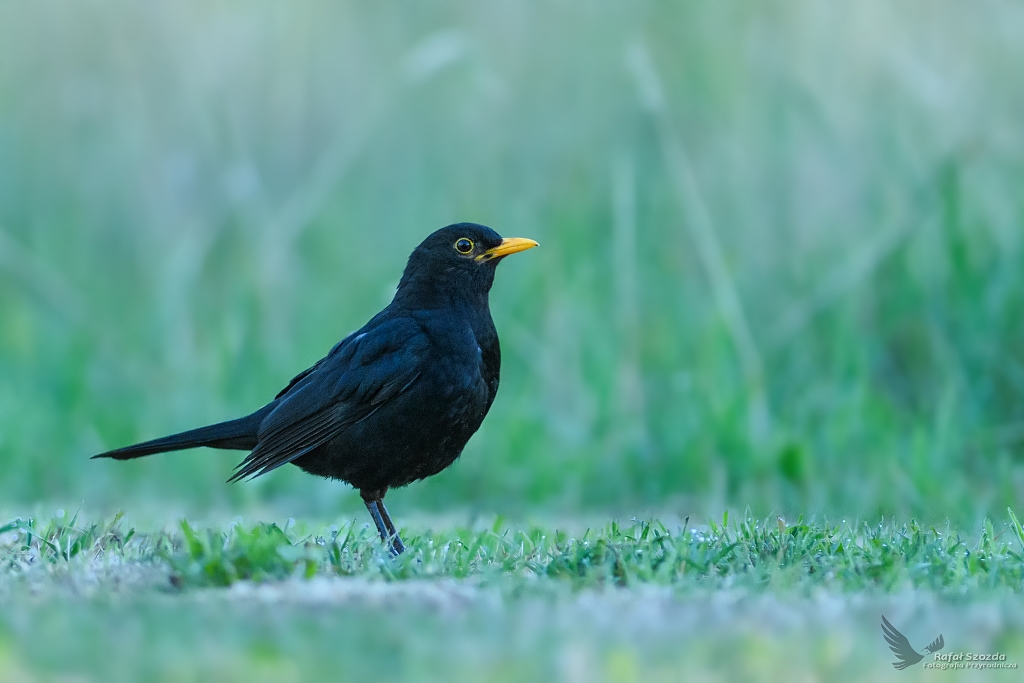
{"type": "Point", "coordinates": [396, 400]}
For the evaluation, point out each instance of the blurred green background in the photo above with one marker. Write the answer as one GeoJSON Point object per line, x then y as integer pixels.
{"type": "Point", "coordinates": [781, 266]}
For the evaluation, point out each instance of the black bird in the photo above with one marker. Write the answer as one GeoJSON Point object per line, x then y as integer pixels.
{"type": "Point", "coordinates": [899, 644]}
{"type": "Point", "coordinates": [396, 400]}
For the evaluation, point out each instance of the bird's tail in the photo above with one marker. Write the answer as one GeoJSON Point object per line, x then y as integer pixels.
{"type": "Point", "coordinates": [239, 435]}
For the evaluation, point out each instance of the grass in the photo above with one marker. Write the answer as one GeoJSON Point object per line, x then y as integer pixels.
{"type": "Point", "coordinates": [258, 636]}
{"type": "Point", "coordinates": [754, 553]}
{"type": "Point", "coordinates": [640, 599]}
{"type": "Point", "coordinates": [780, 262]}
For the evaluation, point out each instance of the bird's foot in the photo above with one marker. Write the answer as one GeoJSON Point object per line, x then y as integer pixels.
{"type": "Point", "coordinates": [395, 545]}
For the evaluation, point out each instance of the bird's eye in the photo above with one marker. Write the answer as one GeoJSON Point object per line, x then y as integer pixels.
{"type": "Point", "coordinates": [464, 245]}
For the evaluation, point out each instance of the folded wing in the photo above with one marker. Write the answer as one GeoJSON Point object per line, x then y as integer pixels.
{"type": "Point", "coordinates": [355, 380]}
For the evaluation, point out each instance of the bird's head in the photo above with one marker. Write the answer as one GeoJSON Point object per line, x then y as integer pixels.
{"type": "Point", "coordinates": [455, 261]}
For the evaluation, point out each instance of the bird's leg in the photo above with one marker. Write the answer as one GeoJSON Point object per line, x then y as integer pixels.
{"type": "Point", "coordinates": [372, 506]}
{"type": "Point", "coordinates": [397, 547]}
{"type": "Point", "coordinates": [374, 501]}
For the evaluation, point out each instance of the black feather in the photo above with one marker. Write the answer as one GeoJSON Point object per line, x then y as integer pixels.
{"type": "Point", "coordinates": [236, 435]}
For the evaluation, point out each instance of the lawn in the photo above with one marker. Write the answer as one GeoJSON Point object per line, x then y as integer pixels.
{"type": "Point", "coordinates": [751, 599]}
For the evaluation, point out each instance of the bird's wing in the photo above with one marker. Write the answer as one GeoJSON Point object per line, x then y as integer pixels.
{"type": "Point", "coordinates": [299, 377]}
{"type": "Point", "coordinates": [936, 644]}
{"type": "Point", "coordinates": [899, 644]}
{"type": "Point", "coordinates": [359, 376]}
{"type": "Point", "coordinates": [334, 350]}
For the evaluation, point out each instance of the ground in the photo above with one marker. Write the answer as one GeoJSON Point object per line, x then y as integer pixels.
{"type": "Point", "coordinates": [731, 599]}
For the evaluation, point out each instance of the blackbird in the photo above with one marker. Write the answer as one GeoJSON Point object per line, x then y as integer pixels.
{"type": "Point", "coordinates": [396, 400]}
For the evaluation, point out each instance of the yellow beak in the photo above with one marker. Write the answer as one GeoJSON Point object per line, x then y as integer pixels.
{"type": "Point", "coordinates": [509, 245]}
